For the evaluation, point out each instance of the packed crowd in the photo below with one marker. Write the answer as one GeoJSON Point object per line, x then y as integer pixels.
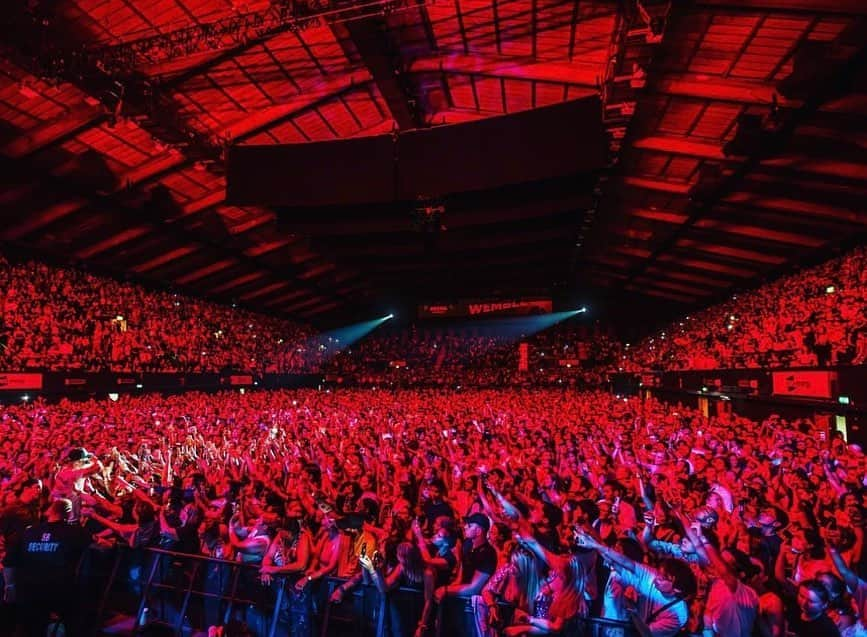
{"type": "Point", "coordinates": [561, 504]}
{"type": "Point", "coordinates": [59, 319]}
{"type": "Point", "coordinates": [481, 355]}
{"type": "Point", "coordinates": [817, 317]}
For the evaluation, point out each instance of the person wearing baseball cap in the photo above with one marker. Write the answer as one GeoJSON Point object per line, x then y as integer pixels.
{"type": "Point", "coordinates": [70, 480]}
{"type": "Point", "coordinates": [478, 560]}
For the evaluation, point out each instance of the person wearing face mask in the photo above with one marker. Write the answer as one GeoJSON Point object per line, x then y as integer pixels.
{"type": "Point", "coordinates": [440, 553]}
{"type": "Point", "coordinates": [440, 556]}
{"type": "Point", "coordinates": [662, 606]}
{"type": "Point", "coordinates": [768, 525]}
{"type": "Point", "coordinates": [478, 560]}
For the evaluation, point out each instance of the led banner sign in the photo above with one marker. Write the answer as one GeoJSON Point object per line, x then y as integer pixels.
{"type": "Point", "coordinates": [806, 384]}
{"type": "Point", "coordinates": [13, 382]}
{"type": "Point", "coordinates": [508, 307]}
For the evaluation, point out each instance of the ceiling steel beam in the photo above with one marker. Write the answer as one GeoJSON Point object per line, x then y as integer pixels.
{"type": "Point", "coordinates": [798, 208]}
{"type": "Point", "coordinates": [236, 282]}
{"type": "Point", "coordinates": [723, 222]}
{"type": "Point", "coordinates": [715, 264]}
{"type": "Point", "coordinates": [201, 273]}
{"type": "Point", "coordinates": [710, 246]}
{"type": "Point", "coordinates": [116, 239]}
{"type": "Point", "coordinates": [840, 75]}
{"type": "Point", "coordinates": [518, 68]}
{"type": "Point", "coordinates": [148, 171]}
{"type": "Point", "coordinates": [795, 162]}
{"type": "Point", "coordinates": [665, 294]}
{"type": "Point", "coordinates": [284, 298]}
{"type": "Point", "coordinates": [171, 255]}
{"type": "Point", "coordinates": [319, 309]}
{"type": "Point", "coordinates": [382, 59]}
{"type": "Point", "coordinates": [848, 7]}
{"type": "Point", "coordinates": [648, 280]}
{"type": "Point", "coordinates": [690, 277]}
{"type": "Point", "coordinates": [55, 131]}
{"type": "Point", "coordinates": [268, 289]}
{"type": "Point", "coordinates": [660, 185]}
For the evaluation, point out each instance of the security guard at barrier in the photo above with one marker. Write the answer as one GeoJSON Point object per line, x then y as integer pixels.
{"type": "Point", "coordinates": [40, 571]}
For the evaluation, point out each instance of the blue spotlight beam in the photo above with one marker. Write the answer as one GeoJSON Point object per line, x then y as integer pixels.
{"type": "Point", "coordinates": [515, 328]}
{"type": "Point", "coordinates": [338, 339]}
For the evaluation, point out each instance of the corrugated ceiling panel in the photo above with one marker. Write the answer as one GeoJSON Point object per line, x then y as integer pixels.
{"type": "Point", "coordinates": [724, 37]}
{"type": "Point", "coordinates": [829, 28]}
{"type": "Point", "coordinates": [364, 107]}
{"type": "Point", "coordinates": [547, 93]}
{"type": "Point", "coordinates": [286, 133]}
{"type": "Point", "coordinates": [490, 94]}
{"type": "Point", "coordinates": [555, 28]}
{"type": "Point", "coordinates": [519, 95]}
{"type": "Point", "coordinates": [516, 38]}
{"type": "Point", "coordinates": [716, 121]}
{"type": "Point", "coordinates": [479, 25]}
{"type": "Point", "coordinates": [324, 46]}
{"type": "Point", "coordinates": [274, 80]}
{"type": "Point", "coordinates": [461, 91]}
{"type": "Point", "coordinates": [679, 115]}
{"type": "Point", "coordinates": [314, 126]}
{"type": "Point", "coordinates": [771, 44]}
{"type": "Point", "coordinates": [594, 34]}
{"type": "Point", "coordinates": [650, 164]}
{"type": "Point", "coordinates": [340, 118]}
{"type": "Point", "coordinates": [116, 18]}
{"type": "Point", "coordinates": [238, 87]}
{"type": "Point", "coordinates": [681, 168]}
{"type": "Point", "coordinates": [445, 25]}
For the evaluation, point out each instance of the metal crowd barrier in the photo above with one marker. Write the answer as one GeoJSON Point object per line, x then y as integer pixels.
{"type": "Point", "coordinates": [187, 593]}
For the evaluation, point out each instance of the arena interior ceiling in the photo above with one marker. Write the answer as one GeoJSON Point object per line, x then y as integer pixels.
{"type": "Point", "coordinates": [737, 142]}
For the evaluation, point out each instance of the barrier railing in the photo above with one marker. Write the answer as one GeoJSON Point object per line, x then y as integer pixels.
{"type": "Point", "coordinates": [189, 593]}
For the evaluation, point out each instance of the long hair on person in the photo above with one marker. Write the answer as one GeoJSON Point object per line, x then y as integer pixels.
{"type": "Point", "coordinates": [527, 581]}
{"type": "Point", "coordinates": [409, 556]}
{"type": "Point", "coordinates": [570, 601]}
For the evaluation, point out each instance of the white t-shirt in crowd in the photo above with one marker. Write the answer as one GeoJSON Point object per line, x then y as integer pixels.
{"type": "Point", "coordinates": [731, 613]}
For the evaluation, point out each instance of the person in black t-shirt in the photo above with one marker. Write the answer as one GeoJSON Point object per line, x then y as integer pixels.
{"type": "Point", "coordinates": [812, 620]}
{"type": "Point", "coordinates": [478, 560]}
{"type": "Point", "coordinates": [40, 569]}
{"type": "Point", "coordinates": [23, 513]}
{"type": "Point", "coordinates": [433, 505]}
{"type": "Point", "coordinates": [478, 563]}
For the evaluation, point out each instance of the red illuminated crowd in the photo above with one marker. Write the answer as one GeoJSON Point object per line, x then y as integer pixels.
{"type": "Point", "coordinates": [817, 317]}
{"type": "Point", "coordinates": [478, 356]}
{"type": "Point", "coordinates": [59, 319]}
{"type": "Point", "coordinates": [561, 504]}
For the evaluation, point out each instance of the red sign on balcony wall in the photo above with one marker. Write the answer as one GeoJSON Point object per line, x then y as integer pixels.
{"type": "Point", "coordinates": [805, 384]}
